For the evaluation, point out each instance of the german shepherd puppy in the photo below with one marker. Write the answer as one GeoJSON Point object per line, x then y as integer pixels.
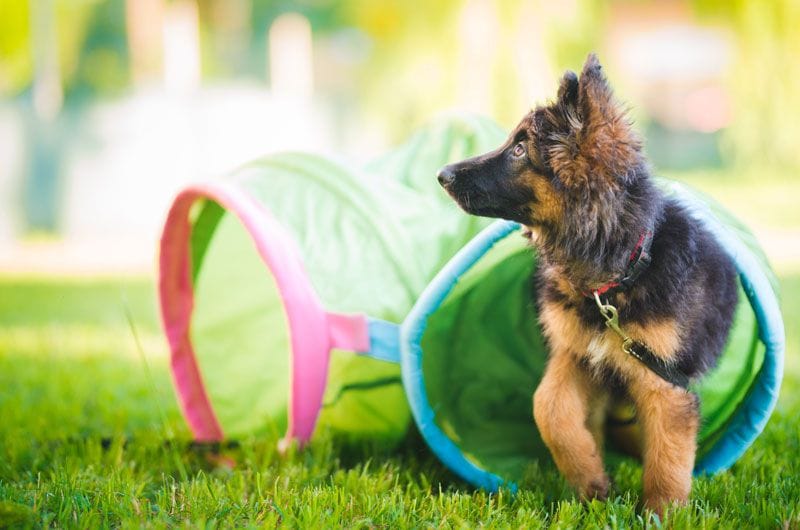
{"type": "Point", "coordinates": [608, 241]}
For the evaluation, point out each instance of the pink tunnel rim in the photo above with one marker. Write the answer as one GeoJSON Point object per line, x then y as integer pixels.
{"type": "Point", "coordinates": [313, 332]}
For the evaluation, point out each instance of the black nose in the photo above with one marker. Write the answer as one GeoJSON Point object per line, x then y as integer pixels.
{"type": "Point", "coordinates": [446, 175]}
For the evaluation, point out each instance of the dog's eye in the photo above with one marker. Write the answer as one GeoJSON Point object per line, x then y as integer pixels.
{"type": "Point", "coordinates": [519, 149]}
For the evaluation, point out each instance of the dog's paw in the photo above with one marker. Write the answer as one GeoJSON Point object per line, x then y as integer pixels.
{"type": "Point", "coordinates": [660, 504]}
{"type": "Point", "coordinates": [596, 489]}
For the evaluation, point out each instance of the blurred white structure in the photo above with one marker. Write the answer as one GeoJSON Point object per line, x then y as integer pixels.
{"type": "Point", "coordinates": [479, 31]}
{"type": "Point", "coordinates": [126, 158]}
{"type": "Point", "coordinates": [530, 56]}
{"type": "Point", "coordinates": [11, 154]}
{"type": "Point", "coordinates": [144, 24]}
{"type": "Point", "coordinates": [181, 47]}
{"type": "Point", "coordinates": [290, 57]}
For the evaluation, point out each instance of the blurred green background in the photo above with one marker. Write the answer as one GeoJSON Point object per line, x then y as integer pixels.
{"type": "Point", "coordinates": [107, 107]}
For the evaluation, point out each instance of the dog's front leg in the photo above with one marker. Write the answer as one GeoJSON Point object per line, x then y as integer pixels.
{"type": "Point", "coordinates": [670, 419]}
{"type": "Point", "coordinates": [561, 410]}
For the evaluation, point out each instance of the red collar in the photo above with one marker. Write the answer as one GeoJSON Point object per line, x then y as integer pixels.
{"type": "Point", "coordinates": [637, 263]}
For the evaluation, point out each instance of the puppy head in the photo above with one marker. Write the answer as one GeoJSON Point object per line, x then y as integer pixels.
{"type": "Point", "coordinates": [579, 146]}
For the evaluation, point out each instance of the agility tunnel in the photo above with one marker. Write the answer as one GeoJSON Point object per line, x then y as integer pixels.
{"type": "Point", "coordinates": [291, 290]}
{"type": "Point", "coordinates": [266, 275]}
{"type": "Point", "coordinates": [472, 356]}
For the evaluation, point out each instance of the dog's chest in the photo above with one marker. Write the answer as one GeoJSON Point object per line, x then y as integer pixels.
{"type": "Point", "coordinates": [567, 332]}
{"type": "Point", "coordinates": [572, 331]}
{"type": "Point", "coordinates": [599, 349]}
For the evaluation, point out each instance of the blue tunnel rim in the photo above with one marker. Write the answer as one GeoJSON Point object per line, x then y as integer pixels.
{"type": "Point", "coordinates": [743, 428]}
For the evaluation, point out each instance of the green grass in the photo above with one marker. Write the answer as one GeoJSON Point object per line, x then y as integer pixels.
{"type": "Point", "coordinates": [83, 444]}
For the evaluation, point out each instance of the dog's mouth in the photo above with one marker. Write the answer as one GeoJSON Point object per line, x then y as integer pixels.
{"type": "Point", "coordinates": [476, 202]}
{"type": "Point", "coordinates": [472, 202]}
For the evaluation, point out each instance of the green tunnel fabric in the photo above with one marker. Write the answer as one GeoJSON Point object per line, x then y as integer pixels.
{"type": "Point", "coordinates": [368, 244]}
{"type": "Point", "coordinates": [237, 310]}
{"type": "Point", "coordinates": [484, 356]}
{"type": "Point", "coordinates": [371, 240]}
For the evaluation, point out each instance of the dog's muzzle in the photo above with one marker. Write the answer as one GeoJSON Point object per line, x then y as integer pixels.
{"type": "Point", "coordinates": [446, 176]}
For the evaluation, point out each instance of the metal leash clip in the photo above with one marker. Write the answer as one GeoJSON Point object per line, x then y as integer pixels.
{"type": "Point", "coordinates": [611, 316]}
{"type": "Point", "coordinates": [639, 350]}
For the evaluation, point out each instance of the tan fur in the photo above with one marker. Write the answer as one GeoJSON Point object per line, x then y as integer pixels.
{"type": "Point", "coordinates": [565, 330]}
{"type": "Point", "coordinates": [561, 406]}
{"type": "Point", "coordinates": [599, 402]}
{"type": "Point", "coordinates": [598, 144]}
{"type": "Point", "coordinates": [548, 206]}
{"type": "Point", "coordinates": [562, 327]}
{"type": "Point", "coordinates": [667, 414]}
{"type": "Point", "coordinates": [662, 337]}
{"type": "Point", "coordinates": [669, 424]}
{"type": "Point", "coordinates": [556, 277]}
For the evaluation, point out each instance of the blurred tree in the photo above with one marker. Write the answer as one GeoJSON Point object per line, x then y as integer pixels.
{"type": "Point", "coordinates": [324, 16]}
{"type": "Point", "coordinates": [574, 29]}
{"type": "Point", "coordinates": [144, 25]}
{"type": "Point", "coordinates": [764, 81]}
{"type": "Point", "coordinates": [505, 52]}
{"type": "Point", "coordinates": [90, 41]}
{"type": "Point", "coordinates": [414, 64]}
{"type": "Point", "coordinates": [409, 73]}
{"type": "Point", "coordinates": [225, 37]}
{"type": "Point", "coordinates": [40, 191]}
{"type": "Point", "coordinates": [16, 65]}
{"type": "Point", "coordinates": [102, 64]}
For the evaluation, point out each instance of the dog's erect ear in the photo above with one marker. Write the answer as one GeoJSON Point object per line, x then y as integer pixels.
{"type": "Point", "coordinates": [568, 90]}
{"type": "Point", "coordinates": [596, 100]}
{"type": "Point", "coordinates": [600, 142]}
{"type": "Point", "coordinates": [607, 141]}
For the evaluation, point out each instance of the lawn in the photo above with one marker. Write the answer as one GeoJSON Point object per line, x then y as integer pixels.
{"type": "Point", "coordinates": [91, 436]}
